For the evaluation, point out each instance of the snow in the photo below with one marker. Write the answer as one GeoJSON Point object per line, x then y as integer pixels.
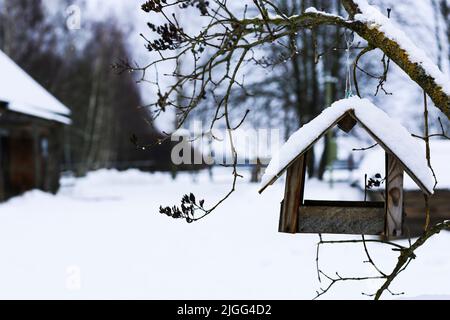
{"type": "Point", "coordinates": [376, 20]}
{"type": "Point", "coordinates": [418, 24]}
{"type": "Point", "coordinates": [24, 95]}
{"type": "Point", "coordinates": [440, 158]}
{"type": "Point", "coordinates": [101, 237]}
{"type": "Point", "coordinates": [311, 10]}
{"type": "Point", "coordinates": [292, 17]}
{"type": "Point", "coordinates": [323, 13]}
{"type": "Point", "coordinates": [390, 131]}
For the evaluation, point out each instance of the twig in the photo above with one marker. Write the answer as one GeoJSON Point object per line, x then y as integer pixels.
{"type": "Point", "coordinates": [365, 149]}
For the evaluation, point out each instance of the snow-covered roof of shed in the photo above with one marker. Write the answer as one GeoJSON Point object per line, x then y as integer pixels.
{"type": "Point", "coordinates": [388, 132]}
{"type": "Point", "coordinates": [24, 95]}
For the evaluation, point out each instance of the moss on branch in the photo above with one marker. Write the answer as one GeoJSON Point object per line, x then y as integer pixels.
{"type": "Point", "coordinates": [393, 50]}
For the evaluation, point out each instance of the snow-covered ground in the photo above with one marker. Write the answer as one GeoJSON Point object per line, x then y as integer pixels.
{"type": "Point", "coordinates": [102, 237]}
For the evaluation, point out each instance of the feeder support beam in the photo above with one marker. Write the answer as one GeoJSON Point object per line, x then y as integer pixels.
{"type": "Point", "coordinates": [293, 197]}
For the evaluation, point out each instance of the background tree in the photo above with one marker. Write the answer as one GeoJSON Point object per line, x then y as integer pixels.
{"type": "Point", "coordinates": [76, 66]}
{"type": "Point", "coordinates": [304, 70]}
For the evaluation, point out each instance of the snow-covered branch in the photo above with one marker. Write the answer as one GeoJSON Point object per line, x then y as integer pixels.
{"type": "Point", "coordinates": [380, 32]}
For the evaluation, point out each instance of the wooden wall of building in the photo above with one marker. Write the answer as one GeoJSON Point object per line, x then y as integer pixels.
{"type": "Point", "coordinates": [30, 154]}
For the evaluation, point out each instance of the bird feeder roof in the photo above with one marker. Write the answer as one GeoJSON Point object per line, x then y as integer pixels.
{"type": "Point", "coordinates": [387, 132]}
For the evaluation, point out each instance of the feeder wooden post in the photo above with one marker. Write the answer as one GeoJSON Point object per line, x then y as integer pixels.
{"type": "Point", "coordinates": [394, 196]}
{"type": "Point", "coordinates": [293, 197]}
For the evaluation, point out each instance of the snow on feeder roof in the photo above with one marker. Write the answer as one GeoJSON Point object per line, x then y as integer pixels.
{"type": "Point", "coordinates": [387, 132]}
{"type": "Point", "coordinates": [24, 95]}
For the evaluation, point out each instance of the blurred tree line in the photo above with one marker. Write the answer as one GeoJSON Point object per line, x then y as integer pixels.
{"type": "Point", "coordinates": [76, 67]}
{"type": "Point", "coordinates": [315, 73]}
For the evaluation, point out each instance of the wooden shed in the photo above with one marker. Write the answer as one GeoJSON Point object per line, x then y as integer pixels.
{"type": "Point", "coordinates": [403, 153]}
{"type": "Point", "coordinates": [31, 133]}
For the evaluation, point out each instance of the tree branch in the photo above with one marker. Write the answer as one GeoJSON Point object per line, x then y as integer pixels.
{"type": "Point", "coordinates": [375, 38]}
{"type": "Point", "coordinates": [407, 255]}
{"type": "Point", "coordinates": [396, 53]}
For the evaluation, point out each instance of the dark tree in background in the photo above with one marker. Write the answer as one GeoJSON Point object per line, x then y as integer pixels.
{"type": "Point", "coordinates": [303, 80]}
{"type": "Point", "coordinates": [445, 7]}
{"type": "Point", "coordinates": [77, 67]}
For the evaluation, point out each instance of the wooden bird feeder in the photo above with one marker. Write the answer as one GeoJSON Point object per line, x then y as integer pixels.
{"type": "Point", "coordinates": [299, 215]}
